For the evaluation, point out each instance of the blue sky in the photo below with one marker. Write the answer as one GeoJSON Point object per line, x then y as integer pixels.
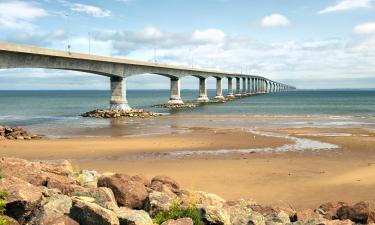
{"type": "Point", "coordinates": [309, 44]}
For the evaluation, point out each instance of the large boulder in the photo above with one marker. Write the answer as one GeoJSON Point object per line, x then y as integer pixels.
{"type": "Point", "coordinates": [157, 202]}
{"type": "Point", "coordinates": [141, 178]}
{"type": "Point", "coordinates": [211, 207]}
{"type": "Point", "coordinates": [165, 184]}
{"type": "Point", "coordinates": [36, 172]}
{"type": "Point", "coordinates": [358, 213]}
{"type": "Point", "coordinates": [23, 199]}
{"type": "Point", "coordinates": [182, 221]}
{"type": "Point", "coordinates": [51, 175]}
{"type": "Point", "coordinates": [133, 217]}
{"type": "Point", "coordinates": [53, 208]}
{"type": "Point", "coordinates": [102, 196]}
{"type": "Point", "coordinates": [329, 209]}
{"type": "Point", "coordinates": [128, 193]}
{"type": "Point", "coordinates": [240, 213]}
{"type": "Point", "coordinates": [87, 213]}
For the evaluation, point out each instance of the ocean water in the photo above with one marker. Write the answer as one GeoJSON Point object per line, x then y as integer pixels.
{"type": "Point", "coordinates": [56, 113]}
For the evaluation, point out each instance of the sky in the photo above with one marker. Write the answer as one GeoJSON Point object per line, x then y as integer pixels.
{"type": "Point", "coordinates": [308, 44]}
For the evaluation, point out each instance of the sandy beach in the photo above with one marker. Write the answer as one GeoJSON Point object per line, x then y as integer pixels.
{"type": "Point", "coordinates": [298, 178]}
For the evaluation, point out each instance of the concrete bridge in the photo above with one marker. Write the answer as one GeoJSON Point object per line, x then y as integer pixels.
{"type": "Point", "coordinates": [117, 69]}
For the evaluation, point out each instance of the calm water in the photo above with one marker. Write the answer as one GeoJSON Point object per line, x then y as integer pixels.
{"type": "Point", "coordinates": [49, 111]}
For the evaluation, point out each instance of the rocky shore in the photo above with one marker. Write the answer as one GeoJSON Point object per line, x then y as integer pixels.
{"type": "Point", "coordinates": [134, 113]}
{"type": "Point", "coordinates": [176, 106]}
{"type": "Point", "coordinates": [16, 133]}
{"type": "Point", "coordinates": [56, 194]}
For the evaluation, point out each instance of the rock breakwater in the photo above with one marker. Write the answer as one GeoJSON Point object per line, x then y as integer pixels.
{"type": "Point", "coordinates": [16, 133]}
{"type": "Point", "coordinates": [176, 106]}
{"type": "Point", "coordinates": [134, 113]}
{"type": "Point", "coordinates": [54, 193]}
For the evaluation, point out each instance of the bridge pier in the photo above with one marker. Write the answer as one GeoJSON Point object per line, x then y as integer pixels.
{"type": "Point", "coordinates": [219, 89]}
{"type": "Point", "coordinates": [238, 87]}
{"type": "Point", "coordinates": [248, 86]}
{"type": "Point", "coordinates": [202, 90]}
{"type": "Point", "coordinates": [230, 88]}
{"type": "Point", "coordinates": [175, 98]}
{"type": "Point", "coordinates": [118, 94]}
{"type": "Point", "coordinates": [253, 85]}
{"type": "Point", "coordinates": [243, 86]}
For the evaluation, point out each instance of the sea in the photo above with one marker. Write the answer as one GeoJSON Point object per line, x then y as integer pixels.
{"type": "Point", "coordinates": [57, 113]}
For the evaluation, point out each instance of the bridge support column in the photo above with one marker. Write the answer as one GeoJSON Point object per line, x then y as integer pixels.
{"type": "Point", "coordinates": [266, 86]}
{"type": "Point", "coordinates": [252, 85]}
{"type": "Point", "coordinates": [230, 88]}
{"type": "Point", "coordinates": [202, 90]}
{"type": "Point", "coordinates": [219, 89]}
{"type": "Point", "coordinates": [175, 98]}
{"type": "Point", "coordinates": [244, 86]}
{"type": "Point", "coordinates": [118, 94]}
{"type": "Point", "coordinates": [238, 87]}
{"type": "Point", "coordinates": [248, 86]}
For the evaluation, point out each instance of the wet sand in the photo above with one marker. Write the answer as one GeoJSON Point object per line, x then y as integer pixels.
{"type": "Point", "coordinates": [301, 179]}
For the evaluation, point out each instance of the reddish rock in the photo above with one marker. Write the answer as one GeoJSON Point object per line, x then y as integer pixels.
{"type": "Point", "coordinates": [37, 173]}
{"type": "Point", "coordinates": [165, 184]}
{"type": "Point", "coordinates": [63, 220]}
{"type": "Point", "coordinates": [264, 210]}
{"type": "Point", "coordinates": [128, 193]}
{"type": "Point", "coordinates": [329, 209]}
{"type": "Point", "coordinates": [23, 199]}
{"type": "Point", "coordinates": [141, 178]}
{"type": "Point", "coordinates": [182, 221]}
{"type": "Point", "coordinates": [358, 213]}
{"type": "Point", "coordinates": [306, 214]}
{"type": "Point", "coordinates": [64, 184]}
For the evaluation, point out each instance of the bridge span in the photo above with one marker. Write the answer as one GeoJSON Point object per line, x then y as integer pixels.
{"type": "Point", "coordinates": [118, 69]}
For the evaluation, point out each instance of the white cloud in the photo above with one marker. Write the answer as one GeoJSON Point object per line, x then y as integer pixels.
{"type": "Point", "coordinates": [275, 20]}
{"type": "Point", "coordinates": [347, 5]}
{"type": "Point", "coordinates": [333, 58]}
{"type": "Point", "coordinates": [209, 36]}
{"type": "Point", "coordinates": [365, 28]}
{"type": "Point", "coordinates": [91, 10]}
{"type": "Point", "coordinates": [18, 14]}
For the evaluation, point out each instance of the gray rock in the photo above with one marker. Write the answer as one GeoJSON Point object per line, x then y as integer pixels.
{"type": "Point", "coordinates": [52, 208]}
{"type": "Point", "coordinates": [88, 178]}
{"type": "Point", "coordinates": [242, 214]}
{"type": "Point", "coordinates": [87, 213]}
{"type": "Point", "coordinates": [157, 202]}
{"type": "Point", "coordinates": [279, 218]}
{"type": "Point", "coordinates": [133, 217]}
{"type": "Point", "coordinates": [211, 207]}
{"type": "Point", "coordinates": [103, 196]}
